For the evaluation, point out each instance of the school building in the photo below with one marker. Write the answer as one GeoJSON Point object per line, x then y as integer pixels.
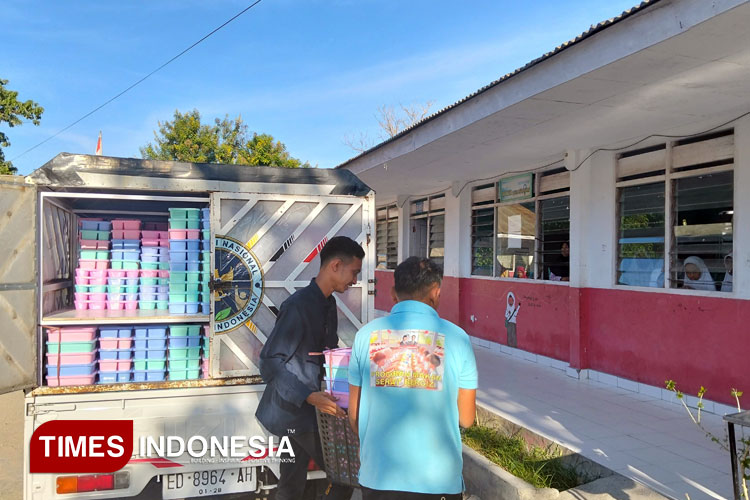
{"type": "Point", "coordinates": [632, 143]}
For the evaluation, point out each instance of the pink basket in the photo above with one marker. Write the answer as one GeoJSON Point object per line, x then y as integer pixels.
{"type": "Point", "coordinates": [126, 224]}
{"type": "Point", "coordinates": [94, 264]}
{"type": "Point", "coordinates": [71, 380]}
{"type": "Point", "coordinates": [94, 245]}
{"type": "Point", "coordinates": [126, 234]}
{"type": "Point", "coordinates": [338, 357]}
{"type": "Point", "coordinates": [115, 365]}
{"type": "Point", "coordinates": [115, 343]}
{"type": "Point", "coordinates": [184, 234]}
{"type": "Point", "coordinates": [123, 273]}
{"type": "Point", "coordinates": [71, 334]}
{"type": "Point", "coordinates": [72, 358]}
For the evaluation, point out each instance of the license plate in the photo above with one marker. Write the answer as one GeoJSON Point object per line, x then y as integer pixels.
{"type": "Point", "coordinates": [208, 482]}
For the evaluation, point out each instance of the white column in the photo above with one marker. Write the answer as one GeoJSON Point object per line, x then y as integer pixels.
{"type": "Point", "coordinates": [592, 218]}
{"type": "Point", "coordinates": [457, 262]}
{"type": "Point", "coordinates": [402, 205]}
{"type": "Point", "coordinates": [741, 219]}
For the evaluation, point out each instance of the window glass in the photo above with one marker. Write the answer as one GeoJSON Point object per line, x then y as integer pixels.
{"type": "Point", "coordinates": [641, 235]}
{"type": "Point", "coordinates": [555, 236]}
{"type": "Point", "coordinates": [516, 240]}
{"type": "Point", "coordinates": [437, 241]}
{"type": "Point", "coordinates": [482, 223]}
{"type": "Point", "coordinates": [386, 240]}
{"type": "Point", "coordinates": [702, 232]}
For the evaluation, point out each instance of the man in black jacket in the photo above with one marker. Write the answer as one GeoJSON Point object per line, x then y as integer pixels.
{"type": "Point", "coordinates": [307, 323]}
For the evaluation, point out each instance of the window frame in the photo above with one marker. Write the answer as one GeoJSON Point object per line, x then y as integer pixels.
{"type": "Point", "coordinates": [537, 198]}
{"type": "Point", "coordinates": [667, 175]}
{"type": "Point", "coordinates": [428, 213]}
{"type": "Point", "coordinates": [388, 221]}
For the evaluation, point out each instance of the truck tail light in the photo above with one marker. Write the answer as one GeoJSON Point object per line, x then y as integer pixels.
{"type": "Point", "coordinates": [93, 482]}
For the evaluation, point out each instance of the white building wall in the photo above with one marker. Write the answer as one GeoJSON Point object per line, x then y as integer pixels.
{"type": "Point", "coordinates": [457, 262]}
{"type": "Point", "coordinates": [592, 218]}
{"type": "Point", "coordinates": [741, 219]}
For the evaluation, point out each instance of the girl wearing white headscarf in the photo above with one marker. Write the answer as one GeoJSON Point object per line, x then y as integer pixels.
{"type": "Point", "coordinates": [726, 285]}
{"type": "Point", "coordinates": [697, 276]}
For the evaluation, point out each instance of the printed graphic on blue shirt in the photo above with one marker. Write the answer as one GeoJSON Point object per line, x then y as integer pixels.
{"type": "Point", "coordinates": [409, 359]}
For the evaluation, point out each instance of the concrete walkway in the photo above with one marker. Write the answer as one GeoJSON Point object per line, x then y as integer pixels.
{"type": "Point", "coordinates": [649, 440]}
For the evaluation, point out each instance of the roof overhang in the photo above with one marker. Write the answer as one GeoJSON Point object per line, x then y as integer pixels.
{"type": "Point", "coordinates": [678, 67]}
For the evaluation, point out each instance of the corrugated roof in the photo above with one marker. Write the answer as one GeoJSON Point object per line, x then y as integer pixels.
{"type": "Point", "coordinates": [595, 28]}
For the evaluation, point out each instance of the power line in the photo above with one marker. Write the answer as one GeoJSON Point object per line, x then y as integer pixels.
{"type": "Point", "coordinates": [139, 81]}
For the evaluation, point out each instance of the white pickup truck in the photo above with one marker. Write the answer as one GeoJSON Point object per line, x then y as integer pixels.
{"type": "Point", "coordinates": [273, 218]}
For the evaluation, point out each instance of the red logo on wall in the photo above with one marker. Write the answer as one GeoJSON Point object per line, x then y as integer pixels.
{"type": "Point", "coordinates": [81, 446]}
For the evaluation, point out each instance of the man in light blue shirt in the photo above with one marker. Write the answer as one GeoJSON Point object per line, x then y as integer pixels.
{"type": "Point", "coordinates": [408, 398]}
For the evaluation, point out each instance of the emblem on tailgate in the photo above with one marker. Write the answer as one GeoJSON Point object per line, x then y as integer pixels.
{"type": "Point", "coordinates": [237, 284]}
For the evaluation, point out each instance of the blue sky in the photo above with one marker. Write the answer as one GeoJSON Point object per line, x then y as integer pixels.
{"type": "Point", "coordinates": [308, 72]}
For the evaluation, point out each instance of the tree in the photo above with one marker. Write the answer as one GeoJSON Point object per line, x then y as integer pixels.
{"type": "Point", "coordinates": [391, 121]}
{"type": "Point", "coordinates": [12, 112]}
{"type": "Point", "coordinates": [185, 138]}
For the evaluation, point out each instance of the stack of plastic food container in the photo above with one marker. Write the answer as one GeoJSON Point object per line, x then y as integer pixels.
{"type": "Point", "coordinates": [184, 352]}
{"type": "Point", "coordinates": [71, 356]}
{"type": "Point", "coordinates": [122, 279]}
{"type": "Point", "coordinates": [337, 374]}
{"type": "Point", "coordinates": [115, 354]}
{"type": "Point", "coordinates": [184, 260]}
{"type": "Point", "coordinates": [206, 353]}
{"type": "Point", "coordinates": [150, 353]}
{"type": "Point", "coordinates": [154, 268]}
{"type": "Point", "coordinates": [154, 262]}
{"type": "Point", "coordinates": [91, 274]}
{"type": "Point", "coordinates": [205, 260]}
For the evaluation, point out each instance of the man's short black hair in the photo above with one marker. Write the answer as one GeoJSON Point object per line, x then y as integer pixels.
{"type": "Point", "coordinates": [341, 247]}
{"type": "Point", "coordinates": [415, 276]}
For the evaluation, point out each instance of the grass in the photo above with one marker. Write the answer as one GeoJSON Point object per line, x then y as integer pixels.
{"type": "Point", "coordinates": [534, 465]}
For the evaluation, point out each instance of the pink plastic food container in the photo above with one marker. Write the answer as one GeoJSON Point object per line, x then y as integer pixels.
{"type": "Point", "coordinates": [154, 235]}
{"type": "Point", "coordinates": [184, 234]}
{"type": "Point", "coordinates": [338, 357]}
{"type": "Point", "coordinates": [71, 380]}
{"type": "Point", "coordinates": [126, 224]}
{"type": "Point", "coordinates": [90, 281]}
{"type": "Point", "coordinates": [126, 234]}
{"type": "Point", "coordinates": [94, 245]}
{"type": "Point", "coordinates": [71, 334]}
{"type": "Point", "coordinates": [91, 273]}
{"type": "Point", "coordinates": [83, 305]}
{"type": "Point", "coordinates": [123, 273]}
{"type": "Point", "coordinates": [73, 358]}
{"type": "Point", "coordinates": [91, 297]}
{"type": "Point", "coordinates": [115, 343]}
{"type": "Point", "coordinates": [94, 264]}
{"type": "Point", "coordinates": [115, 365]}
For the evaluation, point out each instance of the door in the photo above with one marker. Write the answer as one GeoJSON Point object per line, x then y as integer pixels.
{"type": "Point", "coordinates": [266, 247]}
{"type": "Point", "coordinates": [18, 285]}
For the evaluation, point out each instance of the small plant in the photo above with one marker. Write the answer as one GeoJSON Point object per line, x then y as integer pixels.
{"type": "Point", "coordinates": [743, 453]}
{"type": "Point", "coordinates": [537, 466]}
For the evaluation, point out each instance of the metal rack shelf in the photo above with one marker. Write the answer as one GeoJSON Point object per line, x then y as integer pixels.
{"type": "Point", "coordinates": [110, 317]}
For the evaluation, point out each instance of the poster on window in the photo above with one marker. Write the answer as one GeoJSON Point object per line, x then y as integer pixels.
{"type": "Point", "coordinates": [518, 187]}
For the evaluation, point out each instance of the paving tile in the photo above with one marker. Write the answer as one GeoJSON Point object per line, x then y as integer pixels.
{"type": "Point", "coordinates": [642, 435]}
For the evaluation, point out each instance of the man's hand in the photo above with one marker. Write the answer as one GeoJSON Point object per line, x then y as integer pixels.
{"type": "Point", "coordinates": [326, 403]}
